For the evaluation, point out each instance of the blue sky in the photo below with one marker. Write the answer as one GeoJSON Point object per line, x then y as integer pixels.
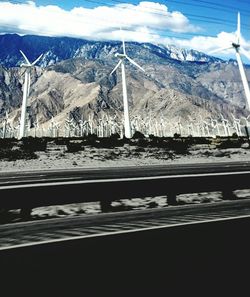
{"type": "Point", "coordinates": [203, 25]}
{"type": "Point", "coordinates": [222, 10]}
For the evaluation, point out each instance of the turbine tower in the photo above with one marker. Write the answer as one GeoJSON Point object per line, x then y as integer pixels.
{"type": "Point", "coordinates": [122, 57]}
{"type": "Point", "coordinates": [26, 90]}
{"type": "Point", "coordinates": [239, 49]}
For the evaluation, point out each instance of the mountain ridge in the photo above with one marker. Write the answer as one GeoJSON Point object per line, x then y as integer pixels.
{"type": "Point", "coordinates": [56, 49]}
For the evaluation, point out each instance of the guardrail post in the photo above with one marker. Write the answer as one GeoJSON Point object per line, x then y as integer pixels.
{"type": "Point", "coordinates": [228, 194]}
{"type": "Point", "coordinates": [171, 198]}
{"type": "Point", "coordinates": [25, 213]}
{"type": "Point", "coordinates": [247, 133]}
{"type": "Point", "coordinates": [3, 214]}
{"type": "Point", "coordinates": [105, 205]}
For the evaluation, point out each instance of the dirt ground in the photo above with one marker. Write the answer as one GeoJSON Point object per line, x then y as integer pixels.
{"type": "Point", "coordinates": [57, 157]}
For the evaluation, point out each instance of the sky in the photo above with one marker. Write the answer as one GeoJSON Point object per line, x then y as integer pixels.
{"type": "Point", "coordinates": [203, 25]}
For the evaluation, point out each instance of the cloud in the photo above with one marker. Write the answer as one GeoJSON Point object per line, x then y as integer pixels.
{"type": "Point", "coordinates": [99, 22]}
{"type": "Point", "coordinates": [208, 44]}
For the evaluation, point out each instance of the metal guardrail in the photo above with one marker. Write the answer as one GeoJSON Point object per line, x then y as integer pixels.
{"type": "Point", "coordinates": [71, 228]}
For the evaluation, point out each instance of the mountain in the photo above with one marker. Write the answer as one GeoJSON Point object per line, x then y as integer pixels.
{"type": "Point", "coordinates": [56, 49]}
{"type": "Point", "coordinates": [75, 80]}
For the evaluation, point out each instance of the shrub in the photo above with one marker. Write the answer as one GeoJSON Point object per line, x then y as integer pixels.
{"type": "Point", "coordinates": [17, 154]}
{"type": "Point", "coordinates": [33, 144]}
{"type": "Point", "coordinates": [73, 146]}
{"type": "Point", "coordinates": [138, 135]}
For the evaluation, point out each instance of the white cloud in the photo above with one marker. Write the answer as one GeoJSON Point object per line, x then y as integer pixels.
{"type": "Point", "coordinates": [208, 44]}
{"type": "Point", "coordinates": [99, 22]}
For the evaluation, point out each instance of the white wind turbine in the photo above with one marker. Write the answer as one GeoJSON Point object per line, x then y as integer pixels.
{"type": "Point", "coordinates": [239, 49]}
{"type": "Point", "coordinates": [26, 90]}
{"type": "Point", "coordinates": [122, 57]}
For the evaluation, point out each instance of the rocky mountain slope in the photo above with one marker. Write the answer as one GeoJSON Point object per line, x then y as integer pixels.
{"type": "Point", "coordinates": [56, 49]}
{"type": "Point", "coordinates": [75, 81]}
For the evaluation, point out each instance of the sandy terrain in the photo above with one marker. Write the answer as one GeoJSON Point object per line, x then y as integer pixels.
{"type": "Point", "coordinates": [57, 157]}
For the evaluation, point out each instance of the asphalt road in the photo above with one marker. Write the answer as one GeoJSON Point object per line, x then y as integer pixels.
{"type": "Point", "coordinates": [29, 189]}
{"type": "Point", "coordinates": [79, 174]}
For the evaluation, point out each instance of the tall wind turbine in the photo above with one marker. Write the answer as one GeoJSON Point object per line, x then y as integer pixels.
{"type": "Point", "coordinates": [26, 90]}
{"type": "Point", "coordinates": [122, 57]}
{"type": "Point", "coordinates": [239, 49]}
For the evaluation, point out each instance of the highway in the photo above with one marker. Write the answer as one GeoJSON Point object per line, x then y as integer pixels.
{"type": "Point", "coordinates": [81, 174]}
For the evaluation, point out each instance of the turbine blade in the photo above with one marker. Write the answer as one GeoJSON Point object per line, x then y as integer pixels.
{"type": "Point", "coordinates": [219, 50]}
{"type": "Point", "coordinates": [133, 62]}
{"type": "Point", "coordinates": [25, 58]}
{"type": "Point", "coordinates": [238, 29]}
{"type": "Point", "coordinates": [37, 60]}
{"type": "Point", "coordinates": [118, 64]}
{"type": "Point", "coordinates": [245, 53]}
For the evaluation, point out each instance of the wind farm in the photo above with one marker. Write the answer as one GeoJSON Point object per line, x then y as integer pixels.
{"type": "Point", "coordinates": [125, 106]}
{"type": "Point", "coordinates": [108, 115]}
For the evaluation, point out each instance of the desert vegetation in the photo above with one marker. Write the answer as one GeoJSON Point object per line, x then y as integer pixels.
{"type": "Point", "coordinates": [27, 148]}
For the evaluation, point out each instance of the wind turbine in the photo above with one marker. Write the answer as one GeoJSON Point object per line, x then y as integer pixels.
{"type": "Point", "coordinates": [5, 123]}
{"type": "Point", "coordinates": [26, 90]}
{"type": "Point", "coordinates": [122, 57]}
{"type": "Point", "coordinates": [237, 125]}
{"type": "Point", "coordinates": [239, 49]}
